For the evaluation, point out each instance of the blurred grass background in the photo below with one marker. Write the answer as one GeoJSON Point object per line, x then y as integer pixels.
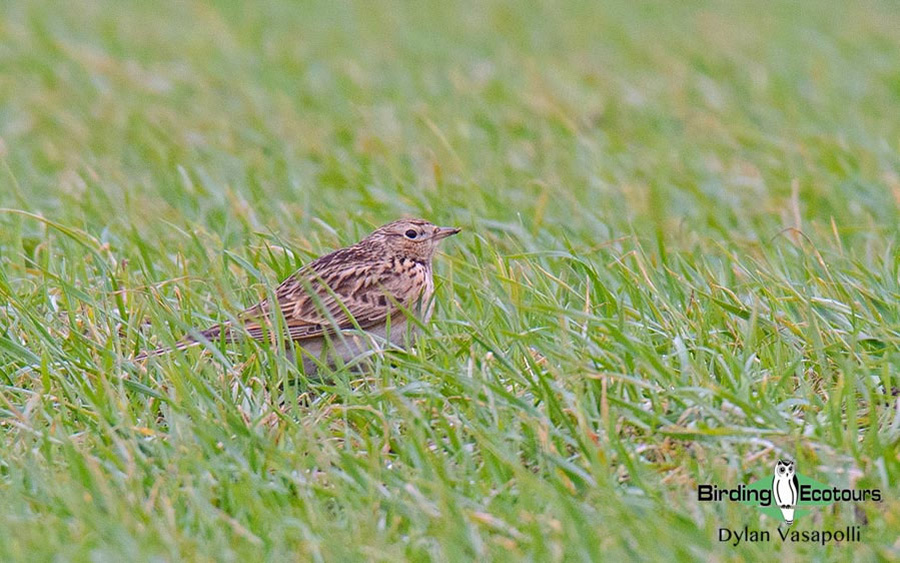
{"type": "Point", "coordinates": [679, 263]}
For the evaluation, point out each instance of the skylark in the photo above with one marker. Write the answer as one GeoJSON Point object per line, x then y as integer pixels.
{"type": "Point", "coordinates": [346, 303]}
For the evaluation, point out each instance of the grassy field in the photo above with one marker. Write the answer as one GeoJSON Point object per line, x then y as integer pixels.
{"type": "Point", "coordinates": [680, 263]}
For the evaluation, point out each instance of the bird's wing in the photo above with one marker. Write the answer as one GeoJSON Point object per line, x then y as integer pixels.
{"type": "Point", "coordinates": [776, 488]}
{"type": "Point", "coordinates": [331, 294]}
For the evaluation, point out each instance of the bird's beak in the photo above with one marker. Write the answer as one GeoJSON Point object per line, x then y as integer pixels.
{"type": "Point", "coordinates": [444, 232]}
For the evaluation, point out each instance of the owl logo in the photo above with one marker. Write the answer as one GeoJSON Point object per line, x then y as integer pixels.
{"type": "Point", "coordinates": [785, 489]}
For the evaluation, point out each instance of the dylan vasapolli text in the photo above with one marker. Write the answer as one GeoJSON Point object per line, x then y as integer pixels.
{"type": "Point", "coordinates": [735, 537]}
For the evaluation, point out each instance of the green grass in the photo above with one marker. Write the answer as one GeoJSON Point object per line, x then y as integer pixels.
{"type": "Point", "coordinates": [679, 263]}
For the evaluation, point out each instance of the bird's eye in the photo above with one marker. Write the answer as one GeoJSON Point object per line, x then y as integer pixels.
{"type": "Point", "coordinates": [411, 234]}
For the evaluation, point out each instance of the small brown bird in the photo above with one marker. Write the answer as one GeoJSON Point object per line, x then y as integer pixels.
{"type": "Point", "coordinates": [372, 285]}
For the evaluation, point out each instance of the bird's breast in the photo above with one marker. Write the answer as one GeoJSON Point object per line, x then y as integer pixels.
{"type": "Point", "coordinates": [427, 295]}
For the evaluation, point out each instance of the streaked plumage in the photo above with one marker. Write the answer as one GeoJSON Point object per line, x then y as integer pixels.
{"type": "Point", "coordinates": [370, 285]}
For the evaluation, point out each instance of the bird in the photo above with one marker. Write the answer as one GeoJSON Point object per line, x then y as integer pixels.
{"type": "Point", "coordinates": [784, 488]}
{"type": "Point", "coordinates": [346, 303]}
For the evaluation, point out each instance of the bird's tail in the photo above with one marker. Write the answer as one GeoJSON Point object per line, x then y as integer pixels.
{"type": "Point", "coordinates": [212, 333]}
{"type": "Point", "coordinates": [788, 515]}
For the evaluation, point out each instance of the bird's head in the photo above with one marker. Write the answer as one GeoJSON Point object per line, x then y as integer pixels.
{"type": "Point", "coordinates": [416, 239]}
